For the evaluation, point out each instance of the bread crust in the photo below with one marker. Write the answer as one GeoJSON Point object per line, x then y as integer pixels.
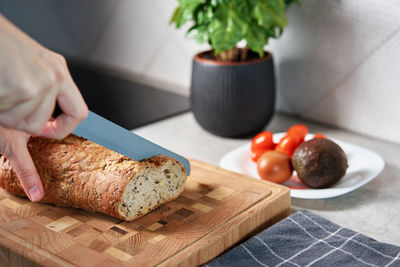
{"type": "Point", "coordinates": [78, 173]}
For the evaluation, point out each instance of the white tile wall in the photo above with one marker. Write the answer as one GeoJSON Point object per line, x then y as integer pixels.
{"type": "Point", "coordinates": [71, 27]}
{"type": "Point", "coordinates": [139, 38]}
{"type": "Point", "coordinates": [132, 38]}
{"type": "Point", "coordinates": [336, 63]}
{"type": "Point", "coordinates": [34, 18]}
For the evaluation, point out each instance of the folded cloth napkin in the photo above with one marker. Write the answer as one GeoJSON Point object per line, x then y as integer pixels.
{"type": "Point", "coordinates": [306, 239]}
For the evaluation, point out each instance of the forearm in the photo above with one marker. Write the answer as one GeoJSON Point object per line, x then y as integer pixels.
{"type": "Point", "coordinates": [8, 30]}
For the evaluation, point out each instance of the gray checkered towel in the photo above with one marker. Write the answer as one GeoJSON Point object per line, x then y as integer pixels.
{"type": "Point", "coordinates": [306, 239]}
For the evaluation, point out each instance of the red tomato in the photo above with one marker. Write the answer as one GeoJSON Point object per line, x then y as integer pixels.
{"type": "Point", "coordinates": [319, 135]}
{"type": "Point", "coordinates": [263, 141]}
{"type": "Point", "coordinates": [275, 167]}
{"type": "Point", "coordinates": [256, 154]}
{"type": "Point", "coordinates": [288, 144]}
{"type": "Point", "coordinates": [298, 130]}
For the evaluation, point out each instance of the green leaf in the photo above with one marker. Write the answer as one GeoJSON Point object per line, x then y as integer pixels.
{"type": "Point", "coordinates": [257, 38]}
{"type": "Point", "coordinates": [224, 23]}
{"type": "Point", "coordinates": [227, 27]}
{"type": "Point", "coordinates": [184, 12]}
{"type": "Point", "coordinates": [175, 16]}
{"type": "Point", "coordinates": [270, 13]}
{"type": "Point", "coordinates": [203, 14]}
{"type": "Point", "coordinates": [201, 33]}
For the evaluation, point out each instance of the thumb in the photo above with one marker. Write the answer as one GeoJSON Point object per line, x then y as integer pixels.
{"type": "Point", "coordinates": [25, 170]}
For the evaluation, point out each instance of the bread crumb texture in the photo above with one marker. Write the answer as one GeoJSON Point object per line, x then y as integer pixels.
{"type": "Point", "coordinates": [78, 173]}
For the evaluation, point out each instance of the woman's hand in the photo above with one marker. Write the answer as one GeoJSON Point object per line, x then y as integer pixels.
{"type": "Point", "coordinates": [32, 80]}
{"type": "Point", "coordinates": [13, 145]}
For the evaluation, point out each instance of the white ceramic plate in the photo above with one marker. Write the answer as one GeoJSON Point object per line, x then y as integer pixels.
{"type": "Point", "coordinates": [364, 166]}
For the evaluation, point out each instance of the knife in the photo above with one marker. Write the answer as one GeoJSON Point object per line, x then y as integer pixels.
{"type": "Point", "coordinates": [112, 136]}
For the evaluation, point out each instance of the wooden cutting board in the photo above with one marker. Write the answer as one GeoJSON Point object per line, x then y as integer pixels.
{"type": "Point", "coordinates": [217, 209]}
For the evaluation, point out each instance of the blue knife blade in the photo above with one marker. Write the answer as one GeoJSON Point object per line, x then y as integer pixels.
{"type": "Point", "coordinates": [112, 136]}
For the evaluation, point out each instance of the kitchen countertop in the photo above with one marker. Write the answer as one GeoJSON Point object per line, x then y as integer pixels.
{"type": "Point", "coordinates": [372, 210]}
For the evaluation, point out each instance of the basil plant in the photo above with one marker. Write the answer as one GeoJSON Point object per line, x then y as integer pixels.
{"type": "Point", "coordinates": [224, 23]}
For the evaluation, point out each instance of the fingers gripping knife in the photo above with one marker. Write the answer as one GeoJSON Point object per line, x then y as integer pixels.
{"type": "Point", "coordinates": [108, 134]}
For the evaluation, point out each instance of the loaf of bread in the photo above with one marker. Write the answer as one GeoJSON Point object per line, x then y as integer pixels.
{"type": "Point", "coordinates": [79, 173]}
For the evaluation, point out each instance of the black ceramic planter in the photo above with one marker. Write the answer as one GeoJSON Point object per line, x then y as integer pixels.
{"type": "Point", "coordinates": [233, 99]}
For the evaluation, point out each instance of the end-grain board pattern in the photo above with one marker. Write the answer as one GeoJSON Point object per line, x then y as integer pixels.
{"type": "Point", "coordinates": [217, 209]}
